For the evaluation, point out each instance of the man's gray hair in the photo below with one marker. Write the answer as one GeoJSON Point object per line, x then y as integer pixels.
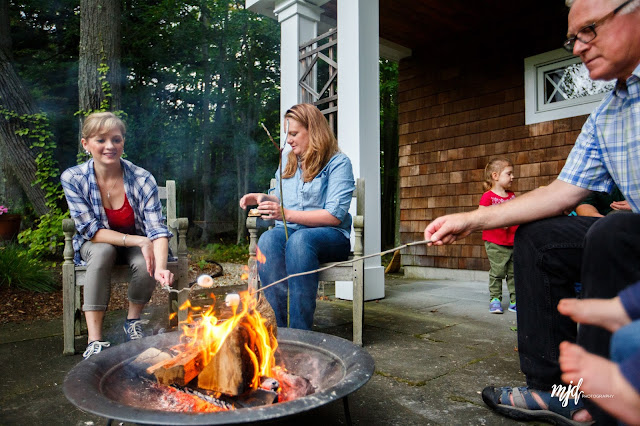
{"type": "Point", "coordinates": [627, 9]}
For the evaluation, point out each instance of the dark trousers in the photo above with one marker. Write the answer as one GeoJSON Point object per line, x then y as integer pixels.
{"type": "Point", "coordinates": [550, 256]}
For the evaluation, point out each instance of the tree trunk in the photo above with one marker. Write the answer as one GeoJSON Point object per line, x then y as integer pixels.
{"type": "Point", "coordinates": [20, 159]}
{"type": "Point", "coordinates": [99, 43]}
{"type": "Point", "coordinates": [207, 157]}
{"type": "Point", "coordinates": [249, 122]}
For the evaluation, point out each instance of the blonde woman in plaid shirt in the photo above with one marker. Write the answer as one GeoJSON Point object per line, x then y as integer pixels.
{"type": "Point", "coordinates": [118, 217]}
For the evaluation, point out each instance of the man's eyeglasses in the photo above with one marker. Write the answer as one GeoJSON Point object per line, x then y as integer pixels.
{"type": "Point", "coordinates": [588, 33]}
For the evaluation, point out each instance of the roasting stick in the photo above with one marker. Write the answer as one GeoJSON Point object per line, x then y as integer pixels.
{"type": "Point", "coordinates": [344, 262]}
{"type": "Point", "coordinates": [280, 149]}
{"type": "Point", "coordinates": [206, 281]}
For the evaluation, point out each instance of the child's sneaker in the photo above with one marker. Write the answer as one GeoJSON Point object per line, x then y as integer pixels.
{"type": "Point", "coordinates": [495, 306]}
{"type": "Point", "coordinates": [133, 329]}
{"type": "Point", "coordinates": [512, 307]}
{"type": "Point", "coordinates": [94, 348]}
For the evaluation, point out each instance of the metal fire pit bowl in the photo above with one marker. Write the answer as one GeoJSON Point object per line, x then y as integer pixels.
{"type": "Point", "coordinates": [336, 367]}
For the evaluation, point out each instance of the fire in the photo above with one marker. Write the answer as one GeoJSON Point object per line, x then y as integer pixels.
{"type": "Point", "coordinates": [208, 334]}
{"type": "Point", "coordinates": [245, 274]}
{"type": "Point", "coordinates": [260, 257]}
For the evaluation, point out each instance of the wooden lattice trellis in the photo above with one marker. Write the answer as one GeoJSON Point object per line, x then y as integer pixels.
{"type": "Point", "coordinates": [320, 68]}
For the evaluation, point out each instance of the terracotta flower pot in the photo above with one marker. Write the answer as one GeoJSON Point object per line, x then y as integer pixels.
{"type": "Point", "coordinates": [9, 226]}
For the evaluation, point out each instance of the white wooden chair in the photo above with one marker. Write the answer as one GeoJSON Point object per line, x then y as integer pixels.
{"type": "Point", "coordinates": [349, 272]}
{"type": "Point", "coordinates": [73, 277]}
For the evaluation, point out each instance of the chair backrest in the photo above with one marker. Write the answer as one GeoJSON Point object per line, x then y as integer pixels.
{"type": "Point", "coordinates": [168, 194]}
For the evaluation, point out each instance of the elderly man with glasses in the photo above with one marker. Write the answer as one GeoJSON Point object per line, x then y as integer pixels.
{"type": "Point", "coordinates": [552, 252]}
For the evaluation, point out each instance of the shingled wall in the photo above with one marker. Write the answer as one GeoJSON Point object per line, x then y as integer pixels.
{"type": "Point", "coordinates": [452, 120]}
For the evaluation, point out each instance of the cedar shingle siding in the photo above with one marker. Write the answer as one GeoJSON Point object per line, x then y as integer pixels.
{"type": "Point", "coordinates": [452, 120]}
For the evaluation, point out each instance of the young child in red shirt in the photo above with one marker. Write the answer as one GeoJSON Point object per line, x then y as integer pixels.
{"type": "Point", "coordinates": [498, 175]}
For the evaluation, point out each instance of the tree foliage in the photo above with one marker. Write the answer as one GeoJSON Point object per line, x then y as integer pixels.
{"type": "Point", "coordinates": [194, 91]}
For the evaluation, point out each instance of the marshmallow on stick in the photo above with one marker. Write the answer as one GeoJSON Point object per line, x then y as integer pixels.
{"type": "Point", "coordinates": [205, 281]}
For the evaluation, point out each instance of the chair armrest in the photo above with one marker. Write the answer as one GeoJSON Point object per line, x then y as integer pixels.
{"type": "Point", "coordinates": [358, 230]}
{"type": "Point", "coordinates": [181, 224]}
{"type": "Point", "coordinates": [68, 228]}
{"type": "Point", "coordinates": [256, 222]}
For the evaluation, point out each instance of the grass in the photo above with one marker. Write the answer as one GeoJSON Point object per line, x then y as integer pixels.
{"type": "Point", "coordinates": [225, 252]}
{"type": "Point", "coordinates": [18, 269]}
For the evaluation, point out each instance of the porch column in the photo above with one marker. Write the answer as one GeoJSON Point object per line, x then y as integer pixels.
{"type": "Point", "coordinates": [298, 23]}
{"type": "Point", "coordinates": [359, 124]}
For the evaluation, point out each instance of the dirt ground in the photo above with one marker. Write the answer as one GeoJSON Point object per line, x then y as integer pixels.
{"type": "Point", "coordinates": [25, 306]}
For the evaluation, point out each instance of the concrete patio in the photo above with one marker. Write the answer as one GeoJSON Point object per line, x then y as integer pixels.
{"type": "Point", "coordinates": [434, 343]}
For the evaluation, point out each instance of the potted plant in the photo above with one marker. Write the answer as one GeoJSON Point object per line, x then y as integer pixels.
{"type": "Point", "coordinates": [9, 224]}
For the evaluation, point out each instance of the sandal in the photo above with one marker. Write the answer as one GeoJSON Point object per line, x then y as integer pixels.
{"type": "Point", "coordinates": [526, 408]}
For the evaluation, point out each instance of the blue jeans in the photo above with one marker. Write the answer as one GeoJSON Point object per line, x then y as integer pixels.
{"type": "Point", "coordinates": [625, 342]}
{"type": "Point", "coordinates": [304, 251]}
{"type": "Point", "coordinates": [550, 256]}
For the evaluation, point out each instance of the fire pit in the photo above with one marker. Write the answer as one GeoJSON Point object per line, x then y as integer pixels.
{"type": "Point", "coordinates": [104, 385]}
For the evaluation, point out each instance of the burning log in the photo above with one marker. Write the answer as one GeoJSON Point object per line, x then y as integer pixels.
{"type": "Point", "coordinates": [229, 357]}
{"type": "Point", "coordinates": [181, 399]}
{"type": "Point", "coordinates": [208, 398]}
{"type": "Point", "coordinates": [230, 370]}
{"type": "Point", "coordinates": [266, 311]}
{"type": "Point", "coordinates": [180, 369]}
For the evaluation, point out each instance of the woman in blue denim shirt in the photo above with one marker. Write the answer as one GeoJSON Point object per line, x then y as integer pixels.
{"type": "Point", "coordinates": [317, 183]}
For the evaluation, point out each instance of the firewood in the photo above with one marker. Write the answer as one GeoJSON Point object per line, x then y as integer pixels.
{"type": "Point", "coordinates": [267, 313]}
{"type": "Point", "coordinates": [150, 357]}
{"type": "Point", "coordinates": [179, 370]}
{"type": "Point", "coordinates": [230, 370]}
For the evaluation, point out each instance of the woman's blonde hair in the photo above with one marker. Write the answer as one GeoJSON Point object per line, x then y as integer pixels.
{"type": "Point", "coordinates": [102, 122]}
{"type": "Point", "coordinates": [495, 165]}
{"type": "Point", "coordinates": [322, 142]}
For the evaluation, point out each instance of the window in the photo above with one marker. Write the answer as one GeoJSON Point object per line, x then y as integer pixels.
{"type": "Point", "coordinates": [557, 85]}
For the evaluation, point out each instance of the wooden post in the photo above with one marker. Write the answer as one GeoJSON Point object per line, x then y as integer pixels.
{"type": "Point", "coordinates": [69, 323]}
{"type": "Point", "coordinates": [358, 284]}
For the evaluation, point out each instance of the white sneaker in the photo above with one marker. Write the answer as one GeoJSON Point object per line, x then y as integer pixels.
{"type": "Point", "coordinates": [133, 329]}
{"type": "Point", "coordinates": [94, 348]}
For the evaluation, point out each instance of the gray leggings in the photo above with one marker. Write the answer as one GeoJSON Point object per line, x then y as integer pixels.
{"type": "Point", "coordinates": [100, 258]}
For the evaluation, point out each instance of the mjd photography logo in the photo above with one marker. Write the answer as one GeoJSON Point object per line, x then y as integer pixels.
{"type": "Point", "coordinates": [563, 393]}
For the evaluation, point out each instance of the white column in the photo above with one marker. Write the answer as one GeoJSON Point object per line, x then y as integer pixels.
{"type": "Point", "coordinates": [298, 23]}
{"type": "Point", "coordinates": [358, 123]}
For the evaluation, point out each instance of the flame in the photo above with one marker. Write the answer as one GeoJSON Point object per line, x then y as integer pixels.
{"type": "Point", "coordinates": [260, 257]}
{"type": "Point", "coordinates": [208, 334]}
{"type": "Point", "coordinates": [245, 274]}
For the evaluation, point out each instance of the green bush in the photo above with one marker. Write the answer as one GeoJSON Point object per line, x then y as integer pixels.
{"type": "Point", "coordinates": [232, 253]}
{"type": "Point", "coordinates": [19, 269]}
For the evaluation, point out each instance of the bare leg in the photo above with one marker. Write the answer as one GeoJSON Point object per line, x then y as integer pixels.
{"type": "Point", "coordinates": [135, 309]}
{"type": "Point", "coordinates": [603, 377]}
{"type": "Point", "coordinates": [606, 313]}
{"type": "Point", "coordinates": [94, 324]}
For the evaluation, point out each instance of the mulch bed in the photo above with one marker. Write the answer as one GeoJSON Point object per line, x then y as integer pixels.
{"type": "Point", "coordinates": [18, 305]}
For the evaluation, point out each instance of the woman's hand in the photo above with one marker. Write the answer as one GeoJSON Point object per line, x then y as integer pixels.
{"type": "Point", "coordinates": [146, 246]}
{"type": "Point", "coordinates": [164, 277]}
{"type": "Point", "coordinates": [270, 210]}
{"type": "Point", "coordinates": [251, 199]}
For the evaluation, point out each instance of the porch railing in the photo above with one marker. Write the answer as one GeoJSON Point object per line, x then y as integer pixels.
{"type": "Point", "coordinates": [320, 69]}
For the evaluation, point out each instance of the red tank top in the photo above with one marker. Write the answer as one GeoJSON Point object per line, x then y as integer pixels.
{"type": "Point", "coordinates": [122, 219]}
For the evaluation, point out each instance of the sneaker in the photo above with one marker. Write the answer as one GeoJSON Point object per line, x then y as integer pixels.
{"type": "Point", "coordinates": [94, 348]}
{"type": "Point", "coordinates": [133, 329]}
{"type": "Point", "coordinates": [495, 306]}
{"type": "Point", "coordinates": [512, 307]}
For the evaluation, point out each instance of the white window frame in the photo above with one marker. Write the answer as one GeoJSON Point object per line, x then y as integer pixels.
{"type": "Point", "coordinates": [535, 110]}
